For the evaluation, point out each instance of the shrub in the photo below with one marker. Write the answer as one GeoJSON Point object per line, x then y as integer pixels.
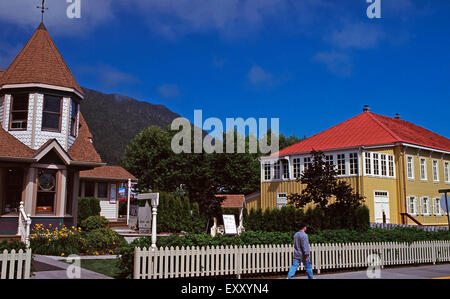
{"type": "Point", "coordinates": [101, 241]}
{"type": "Point", "coordinates": [12, 244]}
{"type": "Point", "coordinates": [60, 241]}
{"type": "Point", "coordinates": [94, 222]}
{"type": "Point", "coordinates": [88, 206]}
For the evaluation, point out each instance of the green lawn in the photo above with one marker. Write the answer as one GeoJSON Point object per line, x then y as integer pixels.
{"type": "Point", "coordinates": [105, 267]}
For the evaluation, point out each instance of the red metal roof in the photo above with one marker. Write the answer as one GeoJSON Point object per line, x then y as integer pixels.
{"type": "Point", "coordinates": [367, 129]}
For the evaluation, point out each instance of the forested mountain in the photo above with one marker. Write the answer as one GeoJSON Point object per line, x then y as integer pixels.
{"type": "Point", "coordinates": [115, 119]}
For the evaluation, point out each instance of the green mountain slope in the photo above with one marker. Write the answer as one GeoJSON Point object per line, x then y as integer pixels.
{"type": "Point", "coordinates": [114, 120]}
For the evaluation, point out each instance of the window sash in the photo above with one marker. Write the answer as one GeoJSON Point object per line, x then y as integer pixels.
{"type": "Point", "coordinates": [368, 163]}
{"type": "Point", "coordinates": [353, 163]}
{"type": "Point", "coordinates": [435, 171]}
{"type": "Point", "coordinates": [73, 119]}
{"type": "Point", "coordinates": [376, 166]}
{"type": "Point", "coordinates": [48, 112]}
{"type": "Point", "coordinates": [423, 169]}
{"type": "Point", "coordinates": [341, 164]}
{"type": "Point", "coordinates": [16, 113]}
{"type": "Point", "coordinates": [446, 172]}
{"type": "Point", "coordinates": [410, 167]}
{"type": "Point", "coordinates": [297, 168]}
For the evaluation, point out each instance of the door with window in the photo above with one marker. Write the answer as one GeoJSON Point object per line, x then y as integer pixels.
{"type": "Point", "coordinates": [381, 207]}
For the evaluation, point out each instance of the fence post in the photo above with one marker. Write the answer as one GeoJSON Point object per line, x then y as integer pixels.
{"type": "Point", "coordinates": [238, 261]}
{"type": "Point", "coordinates": [137, 262]}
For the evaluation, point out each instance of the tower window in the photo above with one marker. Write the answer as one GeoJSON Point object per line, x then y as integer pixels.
{"type": "Point", "coordinates": [51, 114]}
{"type": "Point", "coordinates": [73, 119]}
{"type": "Point", "coordinates": [19, 112]}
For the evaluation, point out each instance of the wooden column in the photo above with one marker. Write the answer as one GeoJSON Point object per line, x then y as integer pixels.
{"type": "Point", "coordinates": [76, 186]}
{"type": "Point", "coordinates": [29, 192]}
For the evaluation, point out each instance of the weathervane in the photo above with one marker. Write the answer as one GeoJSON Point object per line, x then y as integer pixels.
{"type": "Point", "coordinates": [43, 9]}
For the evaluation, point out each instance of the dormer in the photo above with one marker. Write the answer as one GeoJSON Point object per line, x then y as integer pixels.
{"type": "Point", "coordinates": [39, 97]}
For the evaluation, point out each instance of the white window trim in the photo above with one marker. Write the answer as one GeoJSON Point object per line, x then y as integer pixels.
{"type": "Point", "coordinates": [439, 212]}
{"type": "Point", "coordinates": [372, 165]}
{"type": "Point", "coordinates": [415, 205]}
{"type": "Point", "coordinates": [428, 206]}
{"type": "Point", "coordinates": [446, 171]}
{"type": "Point", "coordinates": [283, 198]}
{"type": "Point", "coordinates": [425, 171]}
{"type": "Point", "coordinates": [435, 163]}
{"type": "Point", "coordinates": [412, 168]}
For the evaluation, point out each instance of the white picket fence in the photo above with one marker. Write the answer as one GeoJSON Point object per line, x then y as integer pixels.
{"type": "Point", "coordinates": [233, 260]}
{"type": "Point", "coordinates": [15, 265]}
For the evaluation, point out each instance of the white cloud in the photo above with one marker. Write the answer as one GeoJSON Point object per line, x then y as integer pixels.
{"type": "Point", "coordinates": [357, 36]}
{"type": "Point", "coordinates": [25, 14]}
{"type": "Point", "coordinates": [338, 64]}
{"type": "Point", "coordinates": [169, 91]}
{"type": "Point", "coordinates": [107, 76]}
{"type": "Point", "coordinates": [257, 75]}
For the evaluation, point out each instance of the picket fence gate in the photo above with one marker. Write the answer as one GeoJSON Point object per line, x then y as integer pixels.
{"type": "Point", "coordinates": [15, 265]}
{"type": "Point", "coordinates": [237, 260]}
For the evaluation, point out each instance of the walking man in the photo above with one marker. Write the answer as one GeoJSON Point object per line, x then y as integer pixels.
{"type": "Point", "coordinates": [301, 253]}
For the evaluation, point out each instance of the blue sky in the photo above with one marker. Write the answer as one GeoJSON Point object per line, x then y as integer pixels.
{"type": "Point", "coordinates": [310, 63]}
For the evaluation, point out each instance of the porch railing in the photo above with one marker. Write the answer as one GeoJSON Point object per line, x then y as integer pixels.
{"type": "Point", "coordinates": [24, 225]}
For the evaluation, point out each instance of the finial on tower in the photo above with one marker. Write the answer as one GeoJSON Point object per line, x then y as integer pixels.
{"type": "Point", "coordinates": [43, 9]}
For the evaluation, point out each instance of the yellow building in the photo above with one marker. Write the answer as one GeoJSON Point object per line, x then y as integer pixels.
{"type": "Point", "coordinates": [397, 166]}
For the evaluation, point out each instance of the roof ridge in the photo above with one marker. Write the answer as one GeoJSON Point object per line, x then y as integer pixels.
{"type": "Point", "coordinates": [321, 132]}
{"type": "Point", "coordinates": [371, 114]}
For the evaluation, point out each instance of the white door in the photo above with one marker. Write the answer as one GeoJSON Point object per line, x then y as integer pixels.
{"type": "Point", "coordinates": [381, 206]}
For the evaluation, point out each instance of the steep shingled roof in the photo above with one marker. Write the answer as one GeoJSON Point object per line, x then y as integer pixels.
{"type": "Point", "coordinates": [232, 200]}
{"type": "Point", "coordinates": [83, 149]}
{"type": "Point", "coordinates": [367, 129]}
{"type": "Point", "coordinates": [108, 172]}
{"type": "Point", "coordinates": [40, 62]}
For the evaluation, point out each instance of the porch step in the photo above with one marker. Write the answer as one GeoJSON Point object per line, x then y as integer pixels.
{"type": "Point", "coordinates": [9, 237]}
{"type": "Point", "coordinates": [118, 224]}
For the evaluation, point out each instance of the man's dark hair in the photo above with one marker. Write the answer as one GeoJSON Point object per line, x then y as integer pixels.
{"type": "Point", "coordinates": [303, 224]}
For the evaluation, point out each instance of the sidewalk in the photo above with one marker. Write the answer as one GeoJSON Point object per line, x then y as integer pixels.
{"type": "Point", "coordinates": [47, 267]}
{"type": "Point", "coordinates": [412, 272]}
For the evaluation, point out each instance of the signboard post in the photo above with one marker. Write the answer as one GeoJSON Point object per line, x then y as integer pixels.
{"type": "Point", "coordinates": [154, 199]}
{"type": "Point", "coordinates": [444, 204]}
{"type": "Point", "coordinates": [229, 224]}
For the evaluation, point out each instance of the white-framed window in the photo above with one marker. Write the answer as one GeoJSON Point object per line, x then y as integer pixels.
{"type": "Point", "coordinates": [306, 162]}
{"type": "Point", "coordinates": [425, 206]}
{"type": "Point", "coordinates": [383, 165]}
{"type": "Point", "coordinates": [412, 205]}
{"type": "Point", "coordinates": [281, 200]}
{"type": "Point", "coordinates": [267, 168]}
{"type": "Point", "coordinates": [368, 163]}
{"type": "Point", "coordinates": [437, 206]}
{"type": "Point", "coordinates": [341, 164]}
{"type": "Point", "coordinates": [423, 169]}
{"type": "Point", "coordinates": [391, 166]}
{"type": "Point", "coordinates": [447, 172]}
{"type": "Point", "coordinates": [353, 163]}
{"type": "Point", "coordinates": [329, 159]}
{"type": "Point", "coordinates": [296, 164]}
{"type": "Point", "coordinates": [277, 170]}
{"type": "Point", "coordinates": [435, 164]}
{"type": "Point", "coordinates": [285, 164]}
{"type": "Point", "coordinates": [410, 167]}
{"type": "Point", "coordinates": [376, 165]}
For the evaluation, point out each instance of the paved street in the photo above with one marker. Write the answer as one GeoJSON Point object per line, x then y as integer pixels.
{"type": "Point", "coordinates": [50, 268]}
{"type": "Point", "coordinates": [421, 272]}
